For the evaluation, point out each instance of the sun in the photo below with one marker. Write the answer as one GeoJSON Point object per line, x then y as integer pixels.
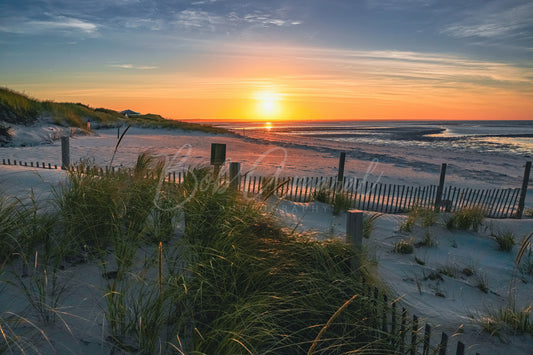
{"type": "Point", "coordinates": [268, 103]}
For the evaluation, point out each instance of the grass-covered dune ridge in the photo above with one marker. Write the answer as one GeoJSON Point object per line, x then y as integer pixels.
{"type": "Point", "coordinates": [231, 281]}
{"type": "Point", "coordinates": [19, 109]}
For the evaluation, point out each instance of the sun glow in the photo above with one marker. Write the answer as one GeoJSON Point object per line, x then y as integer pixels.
{"type": "Point", "coordinates": [268, 103]}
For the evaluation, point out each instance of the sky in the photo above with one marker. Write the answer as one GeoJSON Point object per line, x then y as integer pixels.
{"type": "Point", "coordinates": [275, 59]}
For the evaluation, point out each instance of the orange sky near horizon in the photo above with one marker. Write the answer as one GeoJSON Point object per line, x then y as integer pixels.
{"type": "Point", "coordinates": [308, 84]}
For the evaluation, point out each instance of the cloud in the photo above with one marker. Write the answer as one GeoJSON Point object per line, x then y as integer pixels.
{"type": "Point", "coordinates": [131, 66]}
{"type": "Point", "coordinates": [350, 73]}
{"type": "Point", "coordinates": [267, 20]}
{"type": "Point", "coordinates": [493, 21]}
{"type": "Point", "coordinates": [397, 5]}
{"type": "Point", "coordinates": [199, 19]}
{"type": "Point", "coordinates": [57, 23]}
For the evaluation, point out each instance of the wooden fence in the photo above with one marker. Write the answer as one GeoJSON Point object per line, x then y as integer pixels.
{"type": "Point", "coordinates": [378, 197]}
{"type": "Point", "coordinates": [364, 195]}
{"type": "Point", "coordinates": [41, 165]}
{"type": "Point", "coordinates": [405, 332]}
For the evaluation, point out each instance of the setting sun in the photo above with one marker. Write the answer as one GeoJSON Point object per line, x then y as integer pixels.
{"type": "Point", "coordinates": [268, 103]}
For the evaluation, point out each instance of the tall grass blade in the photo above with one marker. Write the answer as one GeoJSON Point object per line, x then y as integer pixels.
{"type": "Point", "coordinates": [117, 145]}
{"type": "Point", "coordinates": [328, 323]}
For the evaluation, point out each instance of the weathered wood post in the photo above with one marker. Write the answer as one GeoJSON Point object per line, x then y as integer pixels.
{"type": "Point", "coordinates": [440, 189]}
{"type": "Point", "coordinates": [234, 176]}
{"type": "Point", "coordinates": [65, 152]}
{"type": "Point", "coordinates": [354, 234]}
{"type": "Point", "coordinates": [342, 159]}
{"type": "Point", "coordinates": [523, 191]}
{"type": "Point", "coordinates": [218, 156]}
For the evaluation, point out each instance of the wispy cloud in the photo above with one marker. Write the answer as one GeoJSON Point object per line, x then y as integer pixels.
{"type": "Point", "coordinates": [197, 19]}
{"type": "Point", "coordinates": [394, 75]}
{"type": "Point", "coordinates": [200, 19]}
{"type": "Point", "coordinates": [53, 24]}
{"type": "Point", "coordinates": [493, 21]}
{"type": "Point", "coordinates": [131, 66]}
{"type": "Point", "coordinates": [267, 20]}
{"type": "Point", "coordinates": [397, 4]}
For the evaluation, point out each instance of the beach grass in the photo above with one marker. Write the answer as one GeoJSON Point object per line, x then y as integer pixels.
{"type": "Point", "coordinates": [466, 218]}
{"type": "Point", "coordinates": [234, 282]}
{"type": "Point", "coordinates": [504, 239]}
{"type": "Point", "coordinates": [18, 108]}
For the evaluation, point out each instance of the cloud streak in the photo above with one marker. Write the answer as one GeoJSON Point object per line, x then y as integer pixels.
{"type": "Point", "coordinates": [54, 24]}
{"type": "Point", "coordinates": [493, 22]}
{"type": "Point", "coordinates": [135, 67]}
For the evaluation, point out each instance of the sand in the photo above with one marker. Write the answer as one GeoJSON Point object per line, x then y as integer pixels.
{"type": "Point", "coordinates": [449, 303]}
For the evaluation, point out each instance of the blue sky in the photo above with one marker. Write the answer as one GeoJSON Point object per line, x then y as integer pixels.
{"type": "Point", "coordinates": [74, 50]}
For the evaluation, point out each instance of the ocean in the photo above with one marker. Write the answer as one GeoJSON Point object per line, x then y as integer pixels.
{"type": "Point", "coordinates": [506, 137]}
{"type": "Point", "coordinates": [487, 153]}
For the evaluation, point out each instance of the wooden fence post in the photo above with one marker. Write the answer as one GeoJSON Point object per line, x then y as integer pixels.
{"type": "Point", "coordinates": [523, 191]}
{"type": "Point", "coordinates": [440, 189]}
{"type": "Point", "coordinates": [342, 159]}
{"type": "Point", "coordinates": [234, 176]}
{"type": "Point", "coordinates": [354, 233]}
{"type": "Point", "coordinates": [65, 152]}
{"type": "Point", "coordinates": [218, 156]}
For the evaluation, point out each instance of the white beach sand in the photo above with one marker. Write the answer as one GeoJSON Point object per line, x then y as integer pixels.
{"type": "Point", "coordinates": [405, 277]}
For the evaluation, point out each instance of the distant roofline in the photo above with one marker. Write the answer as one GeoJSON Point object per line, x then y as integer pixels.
{"type": "Point", "coordinates": [129, 112]}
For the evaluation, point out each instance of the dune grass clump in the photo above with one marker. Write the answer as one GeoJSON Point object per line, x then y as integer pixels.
{"type": "Point", "coordinates": [338, 199]}
{"type": "Point", "coordinates": [369, 224]}
{"type": "Point", "coordinates": [467, 218]}
{"type": "Point", "coordinates": [517, 321]}
{"type": "Point", "coordinates": [426, 216]}
{"type": "Point", "coordinates": [321, 195]}
{"type": "Point", "coordinates": [505, 240]}
{"type": "Point", "coordinates": [251, 288]}
{"type": "Point", "coordinates": [97, 210]}
{"type": "Point", "coordinates": [12, 218]}
{"type": "Point", "coordinates": [341, 202]}
{"type": "Point", "coordinates": [524, 257]}
{"type": "Point", "coordinates": [404, 246]}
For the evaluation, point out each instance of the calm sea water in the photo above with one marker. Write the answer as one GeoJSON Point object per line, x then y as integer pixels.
{"type": "Point", "coordinates": [506, 137]}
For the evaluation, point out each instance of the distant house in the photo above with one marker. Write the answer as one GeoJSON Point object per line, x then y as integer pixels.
{"type": "Point", "coordinates": [129, 113]}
